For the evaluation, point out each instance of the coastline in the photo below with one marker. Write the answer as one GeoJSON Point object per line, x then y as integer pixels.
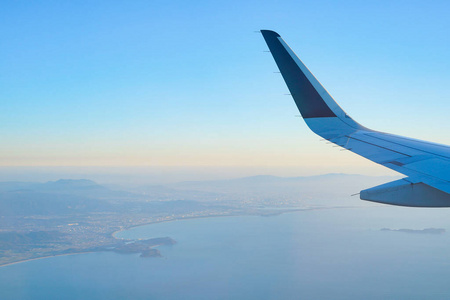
{"type": "Point", "coordinates": [113, 234]}
{"type": "Point", "coordinates": [42, 257]}
{"type": "Point", "coordinates": [217, 216]}
{"type": "Point", "coordinates": [284, 211]}
{"type": "Point", "coordinates": [172, 220]}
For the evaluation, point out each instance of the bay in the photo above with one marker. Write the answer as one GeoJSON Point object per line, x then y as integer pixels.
{"type": "Point", "coordinates": [336, 253]}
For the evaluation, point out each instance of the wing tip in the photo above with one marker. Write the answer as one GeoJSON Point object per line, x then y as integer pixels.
{"type": "Point", "coordinates": [267, 33]}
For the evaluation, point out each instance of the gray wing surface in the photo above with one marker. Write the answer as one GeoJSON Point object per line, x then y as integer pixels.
{"type": "Point", "coordinates": [426, 164]}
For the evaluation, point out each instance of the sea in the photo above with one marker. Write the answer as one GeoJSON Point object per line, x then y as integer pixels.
{"type": "Point", "coordinates": [333, 253]}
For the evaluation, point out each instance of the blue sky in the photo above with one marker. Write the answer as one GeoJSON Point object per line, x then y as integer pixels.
{"type": "Point", "coordinates": [159, 83]}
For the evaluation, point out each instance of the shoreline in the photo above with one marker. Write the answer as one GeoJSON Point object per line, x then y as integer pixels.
{"type": "Point", "coordinates": [172, 220]}
{"type": "Point", "coordinates": [217, 216]}
{"type": "Point", "coordinates": [43, 257]}
{"type": "Point", "coordinates": [113, 234]}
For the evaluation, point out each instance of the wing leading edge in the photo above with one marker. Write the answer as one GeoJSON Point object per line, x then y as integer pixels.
{"type": "Point", "coordinates": [426, 164]}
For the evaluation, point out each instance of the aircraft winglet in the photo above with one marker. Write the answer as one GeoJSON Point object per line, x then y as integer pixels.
{"type": "Point", "coordinates": [426, 164]}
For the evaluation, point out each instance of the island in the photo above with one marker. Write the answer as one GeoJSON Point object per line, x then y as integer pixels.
{"type": "Point", "coordinates": [417, 231]}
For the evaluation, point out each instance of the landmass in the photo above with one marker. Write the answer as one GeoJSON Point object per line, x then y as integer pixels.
{"type": "Point", "coordinates": [20, 243]}
{"type": "Point", "coordinates": [76, 216]}
{"type": "Point", "coordinates": [144, 247]}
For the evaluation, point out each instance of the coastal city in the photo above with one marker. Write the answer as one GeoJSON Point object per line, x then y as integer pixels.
{"type": "Point", "coordinates": [77, 216]}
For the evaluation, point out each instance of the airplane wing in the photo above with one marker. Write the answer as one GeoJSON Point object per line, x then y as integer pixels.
{"type": "Point", "coordinates": [426, 164]}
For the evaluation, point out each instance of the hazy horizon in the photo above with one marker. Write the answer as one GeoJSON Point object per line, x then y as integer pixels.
{"type": "Point", "coordinates": [159, 175]}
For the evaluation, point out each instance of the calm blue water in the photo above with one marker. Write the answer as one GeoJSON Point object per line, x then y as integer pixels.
{"type": "Point", "coordinates": [321, 254]}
